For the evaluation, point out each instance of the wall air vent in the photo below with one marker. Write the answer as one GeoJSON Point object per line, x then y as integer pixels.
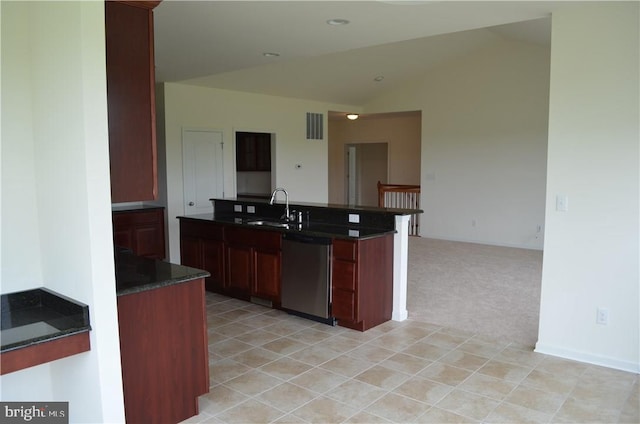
{"type": "Point", "coordinates": [314, 126]}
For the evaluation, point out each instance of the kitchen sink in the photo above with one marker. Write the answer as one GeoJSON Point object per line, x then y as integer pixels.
{"type": "Point", "coordinates": [269, 223]}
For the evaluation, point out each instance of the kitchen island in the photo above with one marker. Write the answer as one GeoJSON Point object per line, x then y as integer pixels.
{"type": "Point", "coordinates": [240, 244]}
{"type": "Point", "coordinates": [163, 338]}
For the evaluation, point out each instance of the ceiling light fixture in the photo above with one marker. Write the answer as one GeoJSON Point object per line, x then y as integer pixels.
{"type": "Point", "coordinates": [337, 21]}
{"type": "Point", "coordinates": [352, 116]}
{"type": "Point", "coordinates": [378, 78]}
{"type": "Point", "coordinates": [270, 54]}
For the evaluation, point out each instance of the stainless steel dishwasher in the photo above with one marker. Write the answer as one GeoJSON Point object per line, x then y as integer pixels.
{"type": "Point", "coordinates": [306, 276]}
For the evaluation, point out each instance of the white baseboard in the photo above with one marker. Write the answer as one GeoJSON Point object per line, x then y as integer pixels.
{"type": "Point", "coordinates": [399, 315]}
{"type": "Point", "coordinates": [588, 358]}
{"type": "Point", "coordinates": [489, 243]}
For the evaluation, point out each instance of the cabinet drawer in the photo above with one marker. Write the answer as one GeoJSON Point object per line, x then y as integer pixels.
{"type": "Point", "coordinates": [345, 249]}
{"type": "Point", "coordinates": [344, 275]}
{"type": "Point", "coordinates": [201, 230]}
{"type": "Point", "coordinates": [343, 305]}
{"type": "Point", "coordinates": [130, 218]}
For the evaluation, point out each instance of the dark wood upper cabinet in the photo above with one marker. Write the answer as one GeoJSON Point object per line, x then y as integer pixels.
{"type": "Point", "coordinates": [253, 152]}
{"type": "Point", "coordinates": [131, 100]}
{"type": "Point", "coordinates": [142, 231]}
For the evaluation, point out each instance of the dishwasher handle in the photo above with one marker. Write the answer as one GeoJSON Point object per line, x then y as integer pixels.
{"type": "Point", "coordinates": [307, 239]}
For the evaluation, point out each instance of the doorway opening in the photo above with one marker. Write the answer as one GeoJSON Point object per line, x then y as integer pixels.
{"type": "Point", "coordinates": [366, 164]}
{"type": "Point", "coordinates": [254, 163]}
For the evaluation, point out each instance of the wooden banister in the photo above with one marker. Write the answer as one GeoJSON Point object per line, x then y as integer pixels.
{"type": "Point", "coordinates": [401, 196]}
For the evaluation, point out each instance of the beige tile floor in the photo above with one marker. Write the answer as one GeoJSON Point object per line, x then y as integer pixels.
{"type": "Point", "coordinates": [270, 367]}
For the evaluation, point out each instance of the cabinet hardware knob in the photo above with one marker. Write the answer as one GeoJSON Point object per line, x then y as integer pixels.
{"type": "Point", "coordinates": [191, 203]}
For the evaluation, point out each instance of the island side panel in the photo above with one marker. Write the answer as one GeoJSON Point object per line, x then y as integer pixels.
{"type": "Point", "coordinates": [163, 347]}
{"type": "Point", "coordinates": [376, 280]}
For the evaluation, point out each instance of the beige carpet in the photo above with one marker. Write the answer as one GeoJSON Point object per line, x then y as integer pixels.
{"type": "Point", "coordinates": [489, 290]}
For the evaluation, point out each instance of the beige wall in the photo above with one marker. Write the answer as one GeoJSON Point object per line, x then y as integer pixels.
{"type": "Point", "coordinates": [400, 130]}
{"type": "Point", "coordinates": [229, 111]}
{"type": "Point", "coordinates": [591, 252]}
{"type": "Point", "coordinates": [484, 141]}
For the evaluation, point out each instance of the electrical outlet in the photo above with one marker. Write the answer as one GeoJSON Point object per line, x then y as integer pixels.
{"type": "Point", "coordinates": [602, 316]}
{"type": "Point", "coordinates": [251, 209]}
{"type": "Point", "coordinates": [354, 218]}
{"type": "Point", "coordinates": [237, 208]}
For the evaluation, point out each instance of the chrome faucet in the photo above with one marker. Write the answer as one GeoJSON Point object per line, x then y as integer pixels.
{"type": "Point", "coordinates": [286, 198]}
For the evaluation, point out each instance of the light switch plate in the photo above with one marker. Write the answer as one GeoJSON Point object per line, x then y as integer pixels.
{"type": "Point", "coordinates": [562, 203]}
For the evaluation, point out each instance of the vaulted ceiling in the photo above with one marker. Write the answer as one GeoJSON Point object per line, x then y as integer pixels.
{"type": "Point", "coordinates": [222, 44]}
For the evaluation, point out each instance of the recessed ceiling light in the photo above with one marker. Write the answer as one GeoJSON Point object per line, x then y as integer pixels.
{"type": "Point", "coordinates": [270, 54]}
{"type": "Point", "coordinates": [337, 21]}
{"type": "Point", "coordinates": [378, 78]}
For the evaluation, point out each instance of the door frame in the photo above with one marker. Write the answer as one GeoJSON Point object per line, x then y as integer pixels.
{"type": "Point", "coordinates": [352, 194]}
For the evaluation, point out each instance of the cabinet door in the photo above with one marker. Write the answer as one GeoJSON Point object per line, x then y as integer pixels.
{"type": "Point", "coordinates": [123, 237]}
{"type": "Point", "coordinates": [343, 305]}
{"type": "Point", "coordinates": [245, 152]}
{"type": "Point", "coordinates": [190, 252]}
{"type": "Point", "coordinates": [263, 152]}
{"type": "Point", "coordinates": [239, 270]}
{"type": "Point", "coordinates": [148, 242]}
{"type": "Point", "coordinates": [142, 231]}
{"type": "Point", "coordinates": [213, 261]}
{"type": "Point", "coordinates": [253, 152]}
{"type": "Point", "coordinates": [266, 279]}
{"type": "Point", "coordinates": [131, 101]}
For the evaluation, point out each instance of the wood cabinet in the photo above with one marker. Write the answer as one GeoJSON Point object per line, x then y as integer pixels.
{"type": "Point", "coordinates": [253, 152]}
{"type": "Point", "coordinates": [141, 230]}
{"type": "Point", "coordinates": [243, 262]}
{"type": "Point", "coordinates": [253, 263]}
{"type": "Point", "coordinates": [202, 247]}
{"type": "Point", "coordinates": [362, 282]}
{"type": "Point", "coordinates": [164, 352]}
{"type": "Point", "coordinates": [247, 262]}
{"type": "Point", "coordinates": [131, 100]}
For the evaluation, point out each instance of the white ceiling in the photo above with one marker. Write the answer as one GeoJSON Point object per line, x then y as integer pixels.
{"type": "Point", "coordinates": [221, 43]}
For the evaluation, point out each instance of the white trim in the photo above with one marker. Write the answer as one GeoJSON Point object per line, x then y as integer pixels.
{"type": "Point", "coordinates": [489, 243]}
{"type": "Point", "coordinates": [400, 261]}
{"type": "Point", "coordinates": [588, 358]}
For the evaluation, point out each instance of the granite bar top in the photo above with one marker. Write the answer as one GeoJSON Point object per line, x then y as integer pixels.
{"type": "Point", "coordinates": [135, 274]}
{"type": "Point", "coordinates": [338, 206]}
{"type": "Point", "coordinates": [318, 229]}
{"type": "Point", "coordinates": [336, 219]}
{"type": "Point", "coordinates": [35, 316]}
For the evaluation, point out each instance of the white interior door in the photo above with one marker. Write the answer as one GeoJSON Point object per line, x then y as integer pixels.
{"type": "Point", "coordinates": [202, 168]}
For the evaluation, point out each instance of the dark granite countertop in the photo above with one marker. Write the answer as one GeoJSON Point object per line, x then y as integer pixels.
{"type": "Point", "coordinates": [35, 316]}
{"type": "Point", "coordinates": [351, 208]}
{"type": "Point", "coordinates": [135, 208]}
{"type": "Point", "coordinates": [136, 274]}
{"type": "Point", "coordinates": [319, 229]}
